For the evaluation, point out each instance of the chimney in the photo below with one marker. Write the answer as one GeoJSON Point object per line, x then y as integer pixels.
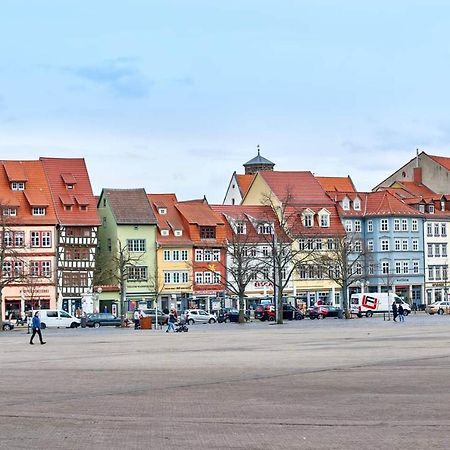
{"type": "Point", "coordinates": [417, 175]}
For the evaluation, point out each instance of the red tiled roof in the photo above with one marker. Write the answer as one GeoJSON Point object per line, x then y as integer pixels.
{"type": "Point", "coordinates": [36, 198]}
{"type": "Point", "coordinates": [244, 182]}
{"type": "Point", "coordinates": [378, 203]}
{"type": "Point", "coordinates": [442, 160]}
{"type": "Point", "coordinates": [15, 170]}
{"type": "Point", "coordinates": [68, 178]}
{"type": "Point", "coordinates": [251, 215]}
{"type": "Point", "coordinates": [301, 187]}
{"type": "Point", "coordinates": [340, 184]}
{"type": "Point", "coordinates": [36, 189]}
{"type": "Point", "coordinates": [67, 199]}
{"type": "Point", "coordinates": [171, 221]}
{"type": "Point", "coordinates": [198, 213]}
{"type": "Point", "coordinates": [54, 168]}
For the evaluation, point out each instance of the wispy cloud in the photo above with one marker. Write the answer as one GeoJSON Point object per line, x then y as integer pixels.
{"type": "Point", "coordinates": [121, 76]}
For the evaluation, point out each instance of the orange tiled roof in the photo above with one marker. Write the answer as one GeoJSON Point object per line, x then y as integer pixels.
{"type": "Point", "coordinates": [57, 170]}
{"type": "Point", "coordinates": [198, 213]}
{"type": "Point", "coordinates": [170, 221]}
{"type": "Point", "coordinates": [244, 182]}
{"type": "Point", "coordinates": [36, 191]}
{"type": "Point", "coordinates": [442, 160]}
{"type": "Point", "coordinates": [15, 170]}
{"type": "Point", "coordinates": [340, 184]}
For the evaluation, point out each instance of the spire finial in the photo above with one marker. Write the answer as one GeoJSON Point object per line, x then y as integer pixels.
{"type": "Point", "coordinates": [258, 149]}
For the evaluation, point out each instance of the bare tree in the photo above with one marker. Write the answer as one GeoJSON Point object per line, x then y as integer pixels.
{"type": "Point", "coordinates": [13, 256]}
{"type": "Point", "coordinates": [285, 233]}
{"type": "Point", "coordinates": [116, 270]}
{"type": "Point", "coordinates": [243, 261]}
{"type": "Point", "coordinates": [345, 261]}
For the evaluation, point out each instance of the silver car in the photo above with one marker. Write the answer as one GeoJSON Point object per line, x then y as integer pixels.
{"type": "Point", "coordinates": [199, 316]}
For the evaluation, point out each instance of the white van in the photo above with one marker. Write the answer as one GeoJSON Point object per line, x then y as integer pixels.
{"type": "Point", "coordinates": [57, 318]}
{"type": "Point", "coordinates": [376, 302]}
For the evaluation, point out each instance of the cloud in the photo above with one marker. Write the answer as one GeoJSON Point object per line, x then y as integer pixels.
{"type": "Point", "coordinates": [120, 76]}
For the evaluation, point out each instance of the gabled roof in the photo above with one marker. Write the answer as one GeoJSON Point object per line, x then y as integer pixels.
{"type": "Point", "coordinates": [301, 187]}
{"type": "Point", "coordinates": [130, 206]}
{"type": "Point", "coordinates": [244, 182]}
{"type": "Point", "coordinates": [36, 191]}
{"type": "Point", "coordinates": [198, 213]}
{"type": "Point", "coordinates": [413, 188]}
{"type": "Point", "coordinates": [339, 184]}
{"type": "Point", "coordinates": [442, 160]}
{"type": "Point", "coordinates": [378, 203]}
{"type": "Point", "coordinates": [54, 168]}
{"type": "Point", "coordinates": [170, 221]}
{"type": "Point", "coordinates": [249, 214]}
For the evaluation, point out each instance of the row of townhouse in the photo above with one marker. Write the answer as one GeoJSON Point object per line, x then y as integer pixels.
{"type": "Point", "coordinates": [49, 234]}
{"type": "Point", "coordinates": [178, 253]}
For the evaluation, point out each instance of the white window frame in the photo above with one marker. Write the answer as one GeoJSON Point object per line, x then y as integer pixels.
{"type": "Point", "coordinates": [384, 225]}
{"type": "Point", "coordinates": [136, 245]}
{"type": "Point", "coordinates": [38, 211]}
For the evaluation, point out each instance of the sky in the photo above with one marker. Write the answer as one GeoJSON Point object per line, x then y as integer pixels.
{"type": "Point", "coordinates": [175, 95]}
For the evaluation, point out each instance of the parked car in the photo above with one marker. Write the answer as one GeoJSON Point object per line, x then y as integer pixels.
{"type": "Point", "coordinates": [231, 315]}
{"type": "Point", "coordinates": [56, 318]}
{"type": "Point", "coordinates": [438, 307]}
{"type": "Point", "coordinates": [162, 317]}
{"type": "Point", "coordinates": [322, 311]}
{"type": "Point", "coordinates": [7, 325]}
{"type": "Point", "coordinates": [102, 319]}
{"type": "Point", "coordinates": [199, 316]}
{"type": "Point", "coordinates": [268, 312]}
{"type": "Point", "coordinates": [290, 312]}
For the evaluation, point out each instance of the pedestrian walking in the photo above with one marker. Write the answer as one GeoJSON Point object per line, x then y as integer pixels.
{"type": "Point", "coordinates": [171, 321]}
{"type": "Point", "coordinates": [401, 315]}
{"type": "Point", "coordinates": [136, 319]}
{"type": "Point", "coordinates": [36, 324]}
{"type": "Point", "coordinates": [394, 310]}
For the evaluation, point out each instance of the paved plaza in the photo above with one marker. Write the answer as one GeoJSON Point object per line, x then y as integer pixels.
{"type": "Point", "coordinates": [357, 384]}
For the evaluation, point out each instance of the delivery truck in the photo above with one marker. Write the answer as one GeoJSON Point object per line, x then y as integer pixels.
{"type": "Point", "coordinates": [376, 302]}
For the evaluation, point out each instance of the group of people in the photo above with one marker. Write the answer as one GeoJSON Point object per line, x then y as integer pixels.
{"type": "Point", "coordinates": [398, 311]}
{"type": "Point", "coordinates": [171, 321]}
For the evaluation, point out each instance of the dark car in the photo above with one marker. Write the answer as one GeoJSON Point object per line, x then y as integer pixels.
{"type": "Point", "coordinates": [290, 312]}
{"type": "Point", "coordinates": [102, 320]}
{"type": "Point", "coordinates": [231, 315]}
{"type": "Point", "coordinates": [7, 325]}
{"type": "Point", "coordinates": [322, 311]}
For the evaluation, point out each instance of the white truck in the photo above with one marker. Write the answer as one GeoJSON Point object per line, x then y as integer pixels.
{"type": "Point", "coordinates": [372, 303]}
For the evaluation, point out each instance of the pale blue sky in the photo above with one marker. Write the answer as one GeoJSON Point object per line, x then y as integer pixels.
{"type": "Point", "coordinates": [174, 95]}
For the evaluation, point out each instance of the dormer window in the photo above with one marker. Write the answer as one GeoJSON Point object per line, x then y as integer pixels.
{"type": "Point", "coordinates": [308, 220]}
{"type": "Point", "coordinates": [240, 228]}
{"type": "Point", "coordinates": [162, 210]}
{"type": "Point", "coordinates": [324, 220]}
{"type": "Point", "coordinates": [264, 228]}
{"type": "Point", "coordinates": [164, 232]}
{"type": "Point", "coordinates": [178, 233]}
{"type": "Point", "coordinates": [357, 204]}
{"type": "Point", "coordinates": [38, 211]}
{"type": "Point", "coordinates": [70, 186]}
{"type": "Point", "coordinates": [18, 186]}
{"type": "Point", "coordinates": [67, 207]}
{"type": "Point", "coordinates": [442, 205]}
{"type": "Point", "coordinates": [83, 207]}
{"type": "Point", "coordinates": [422, 208]}
{"type": "Point", "coordinates": [431, 209]}
{"type": "Point", "coordinates": [207, 232]}
{"type": "Point", "coordinates": [346, 204]}
{"type": "Point", "coordinates": [10, 212]}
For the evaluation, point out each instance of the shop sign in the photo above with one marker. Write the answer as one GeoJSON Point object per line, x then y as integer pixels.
{"type": "Point", "coordinates": [262, 284]}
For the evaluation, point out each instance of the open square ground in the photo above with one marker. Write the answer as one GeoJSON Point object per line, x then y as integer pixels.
{"type": "Point", "coordinates": [362, 384]}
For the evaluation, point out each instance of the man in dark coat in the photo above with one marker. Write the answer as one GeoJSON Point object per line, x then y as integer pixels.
{"type": "Point", "coordinates": [394, 310]}
{"type": "Point", "coordinates": [36, 324]}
